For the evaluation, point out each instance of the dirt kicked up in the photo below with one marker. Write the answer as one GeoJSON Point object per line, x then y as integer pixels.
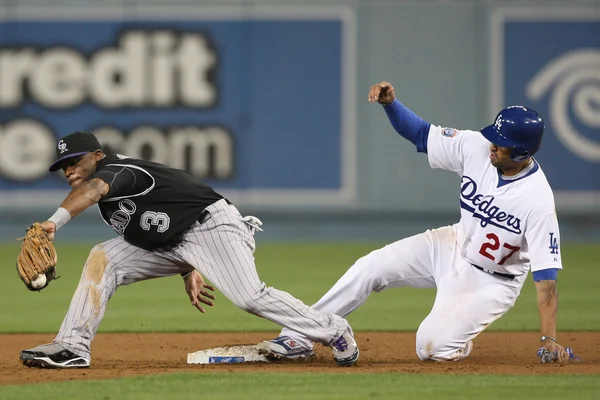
{"type": "Point", "coordinates": [118, 355]}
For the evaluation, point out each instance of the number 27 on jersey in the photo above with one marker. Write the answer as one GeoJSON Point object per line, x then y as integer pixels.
{"type": "Point", "coordinates": [490, 248]}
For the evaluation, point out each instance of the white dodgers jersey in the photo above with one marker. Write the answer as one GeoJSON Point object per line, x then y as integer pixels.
{"type": "Point", "coordinates": [506, 226]}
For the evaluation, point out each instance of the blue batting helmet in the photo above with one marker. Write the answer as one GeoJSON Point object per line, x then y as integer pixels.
{"type": "Point", "coordinates": [518, 128]}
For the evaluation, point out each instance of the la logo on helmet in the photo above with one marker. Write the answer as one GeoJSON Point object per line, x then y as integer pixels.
{"type": "Point", "coordinates": [498, 122]}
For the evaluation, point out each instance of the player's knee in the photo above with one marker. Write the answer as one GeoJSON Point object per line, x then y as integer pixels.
{"type": "Point", "coordinates": [440, 348]}
{"type": "Point", "coordinates": [422, 354]}
{"type": "Point", "coordinates": [428, 350]}
{"type": "Point", "coordinates": [95, 265]}
{"type": "Point", "coordinates": [96, 249]}
{"type": "Point", "coordinates": [426, 346]}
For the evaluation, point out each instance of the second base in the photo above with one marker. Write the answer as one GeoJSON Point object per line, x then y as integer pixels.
{"type": "Point", "coordinates": [226, 355]}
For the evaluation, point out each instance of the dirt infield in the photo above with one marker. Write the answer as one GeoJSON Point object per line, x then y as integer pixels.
{"type": "Point", "coordinates": [117, 355]}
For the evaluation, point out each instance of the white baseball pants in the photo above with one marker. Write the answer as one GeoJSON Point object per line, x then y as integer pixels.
{"type": "Point", "coordinates": [221, 248]}
{"type": "Point", "coordinates": [467, 301]}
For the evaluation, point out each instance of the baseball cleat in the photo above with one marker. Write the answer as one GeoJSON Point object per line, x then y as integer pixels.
{"type": "Point", "coordinates": [52, 355]}
{"type": "Point", "coordinates": [345, 349]}
{"type": "Point", "coordinates": [284, 347]}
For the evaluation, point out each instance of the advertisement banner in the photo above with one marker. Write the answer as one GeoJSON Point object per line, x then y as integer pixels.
{"type": "Point", "coordinates": [549, 59]}
{"type": "Point", "coordinates": [257, 104]}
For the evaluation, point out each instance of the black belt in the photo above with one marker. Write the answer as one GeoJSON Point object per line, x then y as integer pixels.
{"type": "Point", "coordinates": [204, 213]}
{"type": "Point", "coordinates": [202, 217]}
{"type": "Point", "coordinates": [506, 276]}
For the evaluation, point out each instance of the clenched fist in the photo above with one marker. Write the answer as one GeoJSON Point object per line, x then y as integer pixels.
{"type": "Point", "coordinates": [382, 93]}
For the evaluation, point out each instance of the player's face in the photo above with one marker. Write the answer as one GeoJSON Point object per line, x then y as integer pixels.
{"type": "Point", "coordinates": [79, 169]}
{"type": "Point", "coordinates": [500, 157]}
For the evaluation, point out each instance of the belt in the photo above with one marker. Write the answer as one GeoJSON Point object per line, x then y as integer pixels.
{"type": "Point", "coordinates": [203, 216]}
{"type": "Point", "coordinates": [505, 276]}
{"type": "Point", "coordinates": [204, 213]}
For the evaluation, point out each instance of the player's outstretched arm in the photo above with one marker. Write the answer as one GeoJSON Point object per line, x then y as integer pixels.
{"type": "Point", "coordinates": [85, 196]}
{"type": "Point", "coordinates": [76, 202]}
{"type": "Point", "coordinates": [547, 299]}
{"type": "Point", "coordinates": [408, 124]}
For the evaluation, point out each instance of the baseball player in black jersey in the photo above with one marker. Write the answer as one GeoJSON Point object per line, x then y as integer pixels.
{"type": "Point", "coordinates": [168, 223]}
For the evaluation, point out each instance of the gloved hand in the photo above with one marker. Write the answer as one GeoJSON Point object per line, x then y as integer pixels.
{"type": "Point", "coordinates": [36, 263]}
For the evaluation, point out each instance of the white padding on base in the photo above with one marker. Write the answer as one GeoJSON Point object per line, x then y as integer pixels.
{"type": "Point", "coordinates": [226, 355]}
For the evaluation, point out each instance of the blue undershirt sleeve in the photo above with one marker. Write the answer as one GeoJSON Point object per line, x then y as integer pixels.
{"type": "Point", "coordinates": [549, 274]}
{"type": "Point", "coordinates": [408, 124]}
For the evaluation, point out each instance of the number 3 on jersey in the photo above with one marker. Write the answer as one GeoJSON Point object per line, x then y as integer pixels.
{"type": "Point", "coordinates": [493, 245]}
{"type": "Point", "coordinates": [159, 219]}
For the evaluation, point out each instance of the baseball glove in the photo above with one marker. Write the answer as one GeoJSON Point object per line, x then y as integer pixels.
{"type": "Point", "coordinates": [36, 264]}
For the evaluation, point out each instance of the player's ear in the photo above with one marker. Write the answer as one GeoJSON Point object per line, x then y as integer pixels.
{"type": "Point", "coordinates": [98, 155]}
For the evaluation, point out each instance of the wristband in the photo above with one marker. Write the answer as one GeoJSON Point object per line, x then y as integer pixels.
{"type": "Point", "coordinates": [186, 274]}
{"type": "Point", "coordinates": [543, 338]}
{"type": "Point", "coordinates": [60, 217]}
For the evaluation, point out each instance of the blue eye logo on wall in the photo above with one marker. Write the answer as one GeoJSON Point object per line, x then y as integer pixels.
{"type": "Point", "coordinates": [549, 59]}
{"type": "Point", "coordinates": [571, 84]}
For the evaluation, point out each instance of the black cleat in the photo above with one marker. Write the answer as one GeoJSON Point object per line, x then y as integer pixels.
{"type": "Point", "coordinates": [52, 355]}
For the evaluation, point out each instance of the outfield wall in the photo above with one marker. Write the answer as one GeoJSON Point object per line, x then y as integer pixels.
{"type": "Point", "coordinates": [266, 101]}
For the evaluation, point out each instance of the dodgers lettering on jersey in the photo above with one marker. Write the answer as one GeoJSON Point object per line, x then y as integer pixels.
{"type": "Point", "coordinates": [506, 225]}
{"type": "Point", "coordinates": [483, 207]}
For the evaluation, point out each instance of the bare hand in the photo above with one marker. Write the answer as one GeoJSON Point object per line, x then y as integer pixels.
{"type": "Point", "coordinates": [553, 347]}
{"type": "Point", "coordinates": [196, 289]}
{"type": "Point", "coordinates": [382, 92]}
{"type": "Point", "coordinates": [50, 228]}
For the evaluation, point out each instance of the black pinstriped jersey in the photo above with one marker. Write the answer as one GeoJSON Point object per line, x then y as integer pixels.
{"type": "Point", "coordinates": [149, 204]}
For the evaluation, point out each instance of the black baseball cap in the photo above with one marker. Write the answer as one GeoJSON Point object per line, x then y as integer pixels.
{"type": "Point", "coordinates": [74, 145]}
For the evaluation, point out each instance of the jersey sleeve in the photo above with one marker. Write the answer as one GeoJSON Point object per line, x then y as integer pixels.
{"type": "Point", "coordinates": [449, 148]}
{"type": "Point", "coordinates": [543, 243]}
{"type": "Point", "coordinates": [123, 181]}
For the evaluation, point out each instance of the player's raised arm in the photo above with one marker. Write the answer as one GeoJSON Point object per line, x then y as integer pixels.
{"type": "Point", "coordinates": [408, 124]}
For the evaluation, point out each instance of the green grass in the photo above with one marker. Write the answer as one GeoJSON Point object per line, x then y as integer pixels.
{"type": "Point", "coordinates": [280, 386]}
{"type": "Point", "coordinates": [306, 271]}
